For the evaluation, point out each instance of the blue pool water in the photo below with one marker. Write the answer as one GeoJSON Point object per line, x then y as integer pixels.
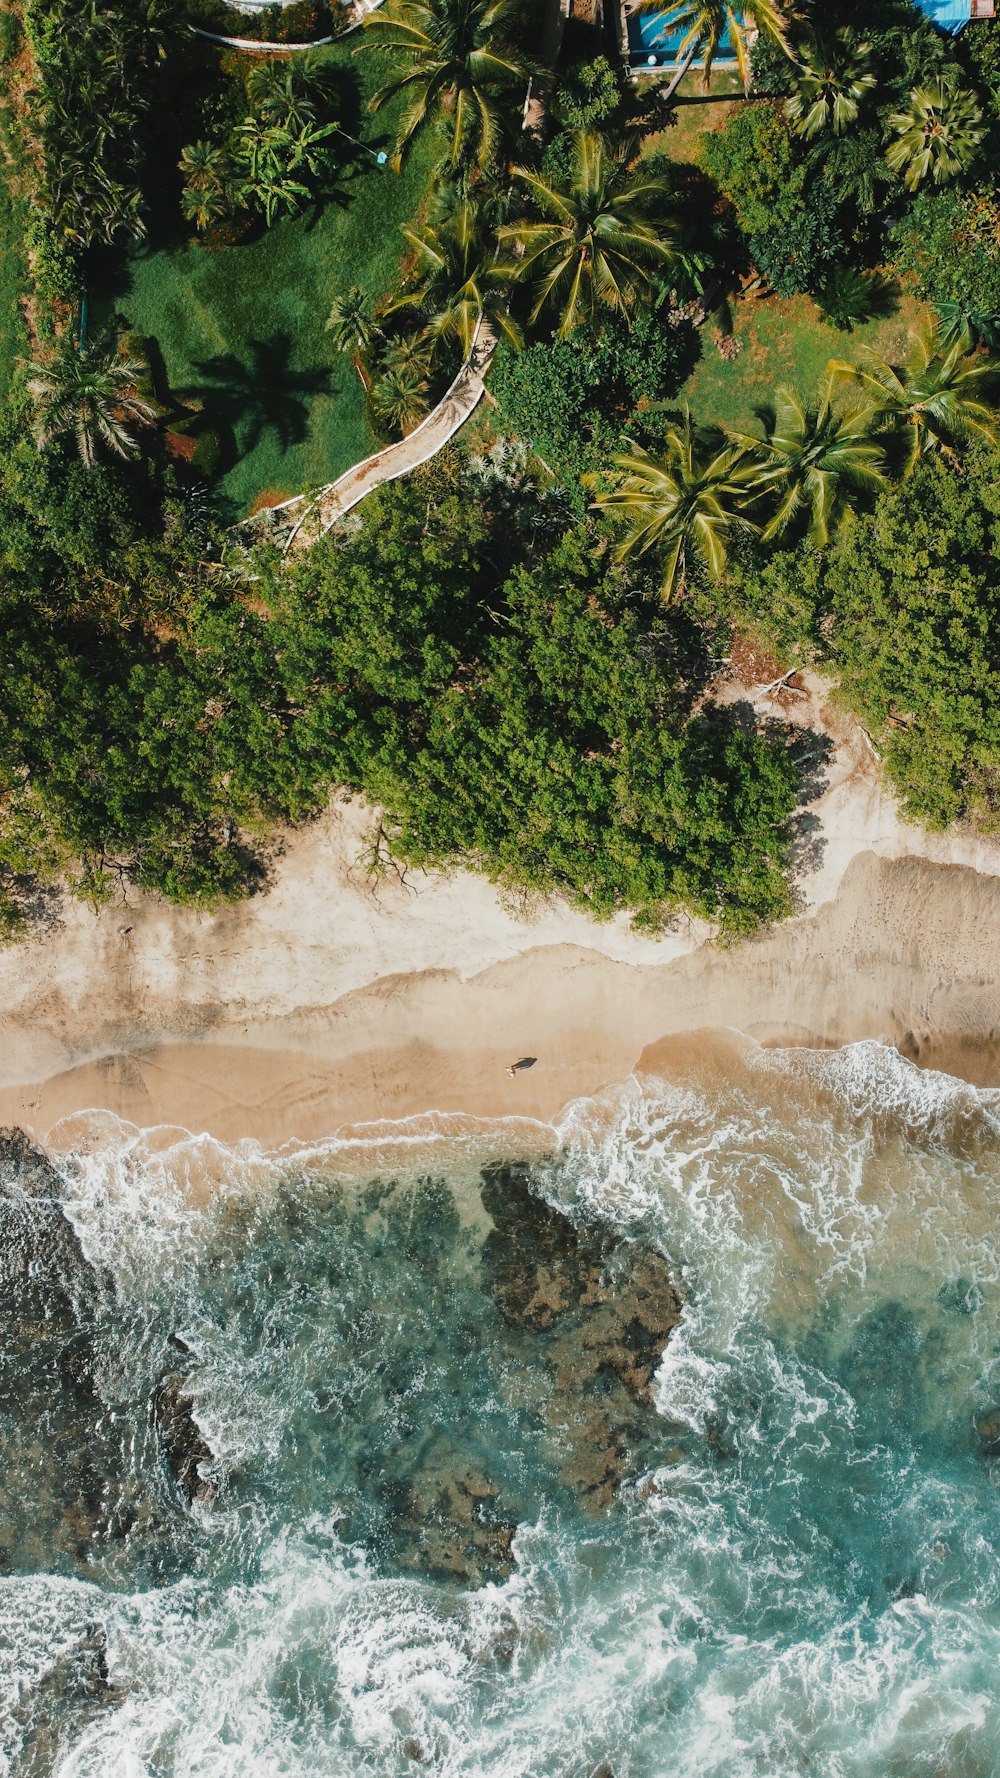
{"type": "Point", "coordinates": [650, 36]}
{"type": "Point", "coordinates": [950, 15]}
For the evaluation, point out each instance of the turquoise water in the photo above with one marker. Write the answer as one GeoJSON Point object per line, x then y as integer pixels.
{"type": "Point", "coordinates": [649, 34]}
{"type": "Point", "coordinates": [438, 1504]}
{"type": "Point", "coordinates": [950, 15]}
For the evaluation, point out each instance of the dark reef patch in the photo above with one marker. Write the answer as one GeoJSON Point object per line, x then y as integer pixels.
{"type": "Point", "coordinates": [603, 1309]}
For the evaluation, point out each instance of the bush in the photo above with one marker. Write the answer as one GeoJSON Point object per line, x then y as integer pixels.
{"type": "Point", "coordinates": [755, 163]}
{"type": "Point", "coordinates": [571, 398]}
{"type": "Point", "coordinates": [847, 297]}
{"type": "Point", "coordinates": [948, 244]}
{"type": "Point", "coordinates": [798, 255]}
{"type": "Point", "coordinates": [906, 609]}
{"type": "Point", "coordinates": [589, 94]}
{"type": "Point", "coordinates": [561, 754]}
{"type": "Point", "coordinates": [503, 703]}
{"type": "Point", "coordinates": [788, 216]}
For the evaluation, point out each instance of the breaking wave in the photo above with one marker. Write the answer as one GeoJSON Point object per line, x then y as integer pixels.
{"type": "Point", "coordinates": [674, 1451]}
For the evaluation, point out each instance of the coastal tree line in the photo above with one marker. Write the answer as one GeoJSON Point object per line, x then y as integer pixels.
{"type": "Point", "coordinates": [509, 653]}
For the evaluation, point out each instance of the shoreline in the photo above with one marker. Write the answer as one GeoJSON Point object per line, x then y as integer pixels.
{"type": "Point", "coordinates": [333, 1001]}
{"type": "Point", "coordinates": [194, 1091]}
{"type": "Point", "coordinates": [903, 954]}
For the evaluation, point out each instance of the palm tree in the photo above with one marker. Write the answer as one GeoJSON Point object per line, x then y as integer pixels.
{"type": "Point", "coordinates": [211, 189]}
{"type": "Point", "coordinates": [353, 322]}
{"type": "Point", "coordinates": [603, 236]}
{"type": "Point", "coordinates": [830, 84]}
{"type": "Point", "coordinates": [937, 135]}
{"type": "Point", "coordinates": [703, 25]}
{"type": "Point", "coordinates": [399, 398]}
{"type": "Point", "coordinates": [688, 502]}
{"type": "Point", "coordinates": [939, 397]}
{"type": "Point", "coordinates": [272, 156]}
{"type": "Point", "coordinates": [288, 92]}
{"type": "Point", "coordinates": [963, 320]}
{"type": "Point", "coordinates": [813, 458]}
{"type": "Point", "coordinates": [204, 207]}
{"type": "Point", "coordinates": [88, 205]}
{"type": "Point", "coordinates": [457, 59]}
{"type": "Point", "coordinates": [91, 395]}
{"type": "Point", "coordinates": [204, 165]}
{"type": "Point", "coordinates": [409, 352]}
{"type": "Point", "coordinates": [461, 283]}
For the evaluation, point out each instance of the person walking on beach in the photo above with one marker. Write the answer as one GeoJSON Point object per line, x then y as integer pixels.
{"type": "Point", "coordinates": [525, 1062]}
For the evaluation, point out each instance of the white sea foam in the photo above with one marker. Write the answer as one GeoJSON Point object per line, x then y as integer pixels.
{"type": "Point", "coordinates": [808, 1582]}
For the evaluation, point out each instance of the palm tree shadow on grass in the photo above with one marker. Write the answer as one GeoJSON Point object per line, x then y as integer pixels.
{"type": "Point", "coordinates": [246, 397]}
{"type": "Point", "coordinates": [337, 188]}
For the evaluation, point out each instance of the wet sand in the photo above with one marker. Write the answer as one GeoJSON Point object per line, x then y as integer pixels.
{"type": "Point", "coordinates": [905, 953]}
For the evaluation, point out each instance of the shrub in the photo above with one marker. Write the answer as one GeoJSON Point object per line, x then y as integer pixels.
{"type": "Point", "coordinates": [787, 215]}
{"type": "Point", "coordinates": [589, 94]}
{"type": "Point", "coordinates": [571, 398]}
{"type": "Point", "coordinates": [756, 165]}
{"type": "Point", "coordinates": [847, 296]}
{"type": "Point", "coordinates": [948, 243]}
{"type": "Point", "coordinates": [797, 256]}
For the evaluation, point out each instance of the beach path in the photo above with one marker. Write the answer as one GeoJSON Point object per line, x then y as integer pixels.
{"type": "Point", "coordinates": [320, 512]}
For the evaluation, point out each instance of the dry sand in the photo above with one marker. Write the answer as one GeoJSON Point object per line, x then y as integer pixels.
{"type": "Point", "coordinates": [328, 1002]}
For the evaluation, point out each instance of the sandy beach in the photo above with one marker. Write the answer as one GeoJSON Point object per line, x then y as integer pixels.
{"type": "Point", "coordinates": [331, 1002]}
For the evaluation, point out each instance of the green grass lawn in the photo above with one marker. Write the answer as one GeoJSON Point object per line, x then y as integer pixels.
{"type": "Point", "coordinates": [13, 266]}
{"type": "Point", "coordinates": [695, 113]}
{"type": "Point", "coordinates": [239, 331]}
{"type": "Point", "coordinates": [13, 339]}
{"type": "Point", "coordinates": [785, 340]}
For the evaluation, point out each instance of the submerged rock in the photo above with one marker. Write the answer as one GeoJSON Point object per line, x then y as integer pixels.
{"type": "Point", "coordinates": [73, 1484]}
{"type": "Point", "coordinates": [70, 1696]}
{"type": "Point", "coordinates": [603, 1310]}
{"type": "Point", "coordinates": [43, 1272]}
{"type": "Point", "coordinates": [181, 1441]}
{"type": "Point", "coordinates": [56, 1448]}
{"type": "Point", "coordinates": [987, 1425]}
{"type": "Point", "coordinates": [457, 1530]}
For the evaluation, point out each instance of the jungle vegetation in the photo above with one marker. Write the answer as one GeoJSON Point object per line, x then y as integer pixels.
{"type": "Point", "coordinates": [511, 654]}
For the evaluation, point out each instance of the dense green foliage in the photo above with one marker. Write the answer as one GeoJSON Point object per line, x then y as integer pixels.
{"type": "Point", "coordinates": [275, 157]}
{"type": "Point", "coordinates": [14, 211]}
{"type": "Point", "coordinates": [571, 399]}
{"type": "Point", "coordinates": [510, 655]}
{"type": "Point", "coordinates": [949, 242]}
{"type": "Point", "coordinates": [100, 74]}
{"type": "Point", "coordinates": [906, 608]}
{"type": "Point", "coordinates": [784, 208]}
{"type": "Point", "coordinates": [508, 708]}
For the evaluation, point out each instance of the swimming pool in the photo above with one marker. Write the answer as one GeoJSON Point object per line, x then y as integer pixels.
{"type": "Point", "coordinates": [949, 15]}
{"type": "Point", "coordinates": [656, 43]}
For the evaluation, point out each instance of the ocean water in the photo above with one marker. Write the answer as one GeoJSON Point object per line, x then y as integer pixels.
{"type": "Point", "coordinates": [674, 1453]}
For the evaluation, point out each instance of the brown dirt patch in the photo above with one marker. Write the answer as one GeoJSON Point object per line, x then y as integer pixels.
{"type": "Point", "coordinates": [180, 446]}
{"type": "Point", "coordinates": [269, 497]}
